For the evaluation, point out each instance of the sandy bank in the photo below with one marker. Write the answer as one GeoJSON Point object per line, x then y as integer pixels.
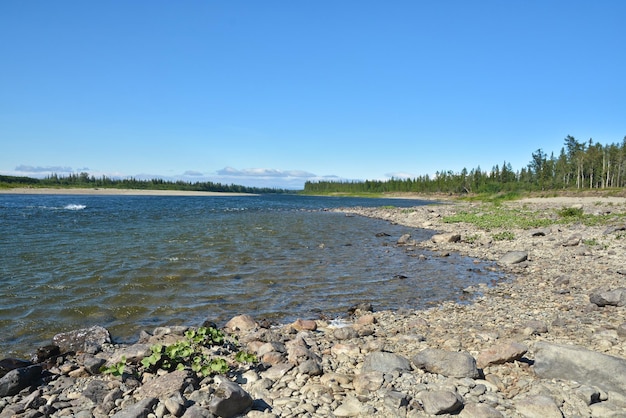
{"type": "Point", "coordinates": [116, 192]}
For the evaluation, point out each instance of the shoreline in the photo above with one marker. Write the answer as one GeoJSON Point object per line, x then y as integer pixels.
{"type": "Point", "coordinates": [376, 365]}
{"type": "Point", "coordinates": [115, 192]}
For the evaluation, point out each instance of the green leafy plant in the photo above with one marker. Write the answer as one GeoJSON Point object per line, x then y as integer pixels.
{"type": "Point", "coordinates": [189, 352]}
{"type": "Point", "coordinates": [245, 357]}
{"type": "Point", "coordinates": [116, 369]}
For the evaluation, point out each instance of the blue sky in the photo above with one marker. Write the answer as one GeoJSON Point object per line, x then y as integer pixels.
{"type": "Point", "coordinates": [274, 93]}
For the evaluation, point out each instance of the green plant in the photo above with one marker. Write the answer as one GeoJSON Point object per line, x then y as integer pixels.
{"type": "Point", "coordinates": [245, 357]}
{"type": "Point", "coordinates": [189, 352]}
{"type": "Point", "coordinates": [116, 369]}
{"type": "Point", "coordinates": [570, 212]}
{"type": "Point", "coordinates": [504, 236]}
{"type": "Point", "coordinates": [470, 239]}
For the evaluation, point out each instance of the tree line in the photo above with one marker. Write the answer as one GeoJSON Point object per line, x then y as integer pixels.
{"type": "Point", "coordinates": [579, 165]}
{"type": "Point", "coordinates": [84, 180]}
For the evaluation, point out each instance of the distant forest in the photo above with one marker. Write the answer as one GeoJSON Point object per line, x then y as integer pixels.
{"type": "Point", "coordinates": [580, 165]}
{"type": "Point", "coordinates": [84, 180]}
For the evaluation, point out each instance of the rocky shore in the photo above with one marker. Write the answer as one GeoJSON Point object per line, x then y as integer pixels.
{"type": "Point", "coordinates": [549, 343]}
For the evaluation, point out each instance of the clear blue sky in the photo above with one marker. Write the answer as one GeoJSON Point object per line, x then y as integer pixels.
{"type": "Point", "coordinates": [272, 93]}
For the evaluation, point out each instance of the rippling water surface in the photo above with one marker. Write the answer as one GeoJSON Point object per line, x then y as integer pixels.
{"type": "Point", "coordinates": [136, 262]}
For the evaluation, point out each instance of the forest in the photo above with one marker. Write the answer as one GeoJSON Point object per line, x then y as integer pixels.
{"type": "Point", "coordinates": [84, 180]}
{"type": "Point", "coordinates": [579, 165]}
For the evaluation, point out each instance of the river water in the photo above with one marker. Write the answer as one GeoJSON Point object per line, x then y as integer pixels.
{"type": "Point", "coordinates": [136, 262]}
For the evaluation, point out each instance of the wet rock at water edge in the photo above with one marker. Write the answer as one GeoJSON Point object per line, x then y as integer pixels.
{"type": "Point", "coordinates": [241, 323]}
{"type": "Point", "coordinates": [88, 340]}
{"type": "Point", "coordinates": [8, 364]}
{"type": "Point", "coordinates": [443, 238]}
{"type": "Point", "coordinates": [513, 257]}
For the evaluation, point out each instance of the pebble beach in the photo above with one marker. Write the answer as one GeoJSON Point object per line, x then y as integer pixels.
{"type": "Point", "coordinates": [549, 342]}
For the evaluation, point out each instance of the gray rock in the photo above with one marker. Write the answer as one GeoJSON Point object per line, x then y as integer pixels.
{"type": "Point", "coordinates": [573, 241]}
{"type": "Point", "coordinates": [18, 379]}
{"type": "Point", "coordinates": [441, 402]}
{"type": "Point", "coordinates": [351, 407]}
{"type": "Point", "coordinates": [385, 362]}
{"type": "Point", "coordinates": [229, 400]}
{"type": "Point", "coordinates": [175, 405]}
{"type": "Point", "coordinates": [134, 353]}
{"type": "Point", "coordinates": [588, 394]}
{"type": "Point", "coordinates": [96, 391]}
{"type": "Point", "coordinates": [404, 239]}
{"type": "Point", "coordinates": [501, 353]}
{"type": "Point", "coordinates": [345, 333]}
{"type": "Point", "coordinates": [312, 367]}
{"type": "Point", "coordinates": [443, 238]}
{"type": "Point", "coordinates": [88, 340]}
{"type": "Point", "coordinates": [93, 364]}
{"type": "Point", "coordinates": [367, 382]}
{"type": "Point", "coordinates": [569, 362]}
{"type": "Point", "coordinates": [479, 410]}
{"type": "Point", "coordinates": [604, 297]}
{"type": "Point", "coordinates": [446, 363]}
{"type": "Point", "coordinates": [513, 257]}
{"type": "Point", "coordinates": [166, 385]}
{"type": "Point", "coordinates": [538, 407]}
{"type": "Point", "coordinates": [196, 411]}
{"type": "Point", "coordinates": [140, 409]}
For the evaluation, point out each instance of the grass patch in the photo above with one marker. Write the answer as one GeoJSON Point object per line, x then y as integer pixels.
{"type": "Point", "coordinates": [504, 236]}
{"type": "Point", "coordinates": [495, 216]}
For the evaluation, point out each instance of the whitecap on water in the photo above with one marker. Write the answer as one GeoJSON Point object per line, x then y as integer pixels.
{"type": "Point", "coordinates": [74, 207]}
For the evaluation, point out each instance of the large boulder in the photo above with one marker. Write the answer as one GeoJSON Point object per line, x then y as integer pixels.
{"type": "Point", "coordinates": [384, 362]}
{"type": "Point", "coordinates": [446, 363]}
{"type": "Point", "coordinates": [569, 362]}
{"type": "Point", "coordinates": [18, 379]}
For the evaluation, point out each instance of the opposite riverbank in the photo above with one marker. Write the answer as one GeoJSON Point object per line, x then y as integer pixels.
{"type": "Point", "coordinates": [549, 343]}
{"type": "Point", "coordinates": [114, 192]}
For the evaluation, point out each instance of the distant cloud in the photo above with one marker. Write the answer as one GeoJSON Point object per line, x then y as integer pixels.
{"type": "Point", "coordinates": [400, 175]}
{"type": "Point", "coordinates": [29, 169]}
{"type": "Point", "coordinates": [191, 173]}
{"type": "Point", "coordinates": [264, 172]}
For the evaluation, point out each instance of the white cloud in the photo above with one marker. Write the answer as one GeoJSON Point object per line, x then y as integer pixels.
{"type": "Point", "coordinates": [263, 172]}
{"type": "Point", "coordinates": [42, 170]}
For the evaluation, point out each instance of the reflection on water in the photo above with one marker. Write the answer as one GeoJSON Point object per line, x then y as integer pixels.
{"type": "Point", "coordinates": [131, 263]}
